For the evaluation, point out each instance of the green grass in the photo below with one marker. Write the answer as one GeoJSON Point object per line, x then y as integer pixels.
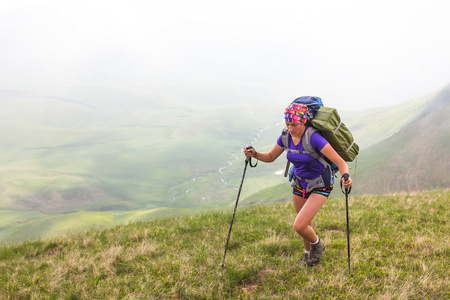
{"type": "Point", "coordinates": [399, 250]}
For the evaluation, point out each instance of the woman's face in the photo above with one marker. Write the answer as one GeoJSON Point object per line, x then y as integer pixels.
{"type": "Point", "coordinates": [295, 128]}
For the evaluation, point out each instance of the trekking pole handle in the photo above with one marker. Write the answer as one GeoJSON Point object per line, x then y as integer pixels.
{"type": "Point", "coordinates": [248, 148]}
{"type": "Point", "coordinates": [346, 176]}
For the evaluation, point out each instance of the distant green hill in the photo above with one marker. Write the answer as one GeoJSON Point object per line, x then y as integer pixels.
{"type": "Point", "coordinates": [62, 155]}
{"type": "Point", "coordinates": [415, 158]}
{"type": "Point", "coordinates": [371, 126]}
{"type": "Point", "coordinates": [17, 226]}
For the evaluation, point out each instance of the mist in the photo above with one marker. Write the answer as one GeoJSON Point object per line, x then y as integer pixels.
{"type": "Point", "coordinates": [353, 54]}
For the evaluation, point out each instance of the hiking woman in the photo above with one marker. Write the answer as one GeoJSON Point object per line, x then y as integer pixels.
{"type": "Point", "coordinates": [308, 197]}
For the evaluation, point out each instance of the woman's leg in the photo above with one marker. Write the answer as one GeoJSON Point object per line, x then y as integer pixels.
{"type": "Point", "coordinates": [307, 210]}
{"type": "Point", "coordinates": [299, 202]}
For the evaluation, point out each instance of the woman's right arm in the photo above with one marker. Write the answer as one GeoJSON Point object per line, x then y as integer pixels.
{"type": "Point", "coordinates": [267, 157]}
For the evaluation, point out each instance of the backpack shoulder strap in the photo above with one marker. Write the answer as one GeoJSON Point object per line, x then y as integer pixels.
{"type": "Point", "coordinates": [285, 138]}
{"type": "Point", "coordinates": [306, 142]}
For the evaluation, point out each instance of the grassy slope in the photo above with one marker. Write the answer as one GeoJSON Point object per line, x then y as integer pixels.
{"type": "Point", "coordinates": [398, 251]}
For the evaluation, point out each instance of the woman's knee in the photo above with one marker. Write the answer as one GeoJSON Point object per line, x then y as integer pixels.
{"type": "Point", "coordinates": [300, 226]}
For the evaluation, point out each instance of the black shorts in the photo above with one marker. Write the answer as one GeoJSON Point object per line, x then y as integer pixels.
{"type": "Point", "coordinates": [300, 191]}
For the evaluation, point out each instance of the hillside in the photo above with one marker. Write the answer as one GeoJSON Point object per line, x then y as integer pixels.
{"type": "Point", "coordinates": [92, 152]}
{"type": "Point", "coordinates": [90, 155]}
{"type": "Point", "coordinates": [178, 258]}
{"type": "Point", "coordinates": [371, 126]}
{"type": "Point", "coordinates": [415, 158]}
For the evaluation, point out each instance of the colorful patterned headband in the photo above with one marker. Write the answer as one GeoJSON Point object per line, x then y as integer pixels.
{"type": "Point", "coordinates": [297, 113]}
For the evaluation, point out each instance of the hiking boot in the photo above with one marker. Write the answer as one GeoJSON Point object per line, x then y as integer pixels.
{"type": "Point", "coordinates": [304, 259]}
{"type": "Point", "coordinates": [316, 253]}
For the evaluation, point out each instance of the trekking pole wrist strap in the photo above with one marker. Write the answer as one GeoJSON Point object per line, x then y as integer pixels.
{"type": "Point", "coordinates": [256, 157]}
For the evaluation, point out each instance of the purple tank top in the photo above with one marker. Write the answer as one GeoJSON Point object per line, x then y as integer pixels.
{"type": "Point", "coordinates": [305, 166]}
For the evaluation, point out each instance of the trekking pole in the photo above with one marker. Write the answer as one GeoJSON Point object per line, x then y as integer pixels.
{"type": "Point", "coordinates": [247, 159]}
{"type": "Point", "coordinates": [347, 191]}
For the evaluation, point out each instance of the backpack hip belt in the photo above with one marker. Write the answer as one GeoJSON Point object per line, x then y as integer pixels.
{"type": "Point", "coordinates": [315, 183]}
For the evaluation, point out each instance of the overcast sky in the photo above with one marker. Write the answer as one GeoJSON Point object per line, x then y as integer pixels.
{"type": "Point", "coordinates": [353, 54]}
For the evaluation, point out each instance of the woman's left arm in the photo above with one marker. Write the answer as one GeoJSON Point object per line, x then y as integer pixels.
{"type": "Point", "coordinates": [332, 155]}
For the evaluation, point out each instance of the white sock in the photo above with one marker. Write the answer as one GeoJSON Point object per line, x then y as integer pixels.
{"type": "Point", "coordinates": [308, 252]}
{"type": "Point", "coordinates": [316, 241]}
